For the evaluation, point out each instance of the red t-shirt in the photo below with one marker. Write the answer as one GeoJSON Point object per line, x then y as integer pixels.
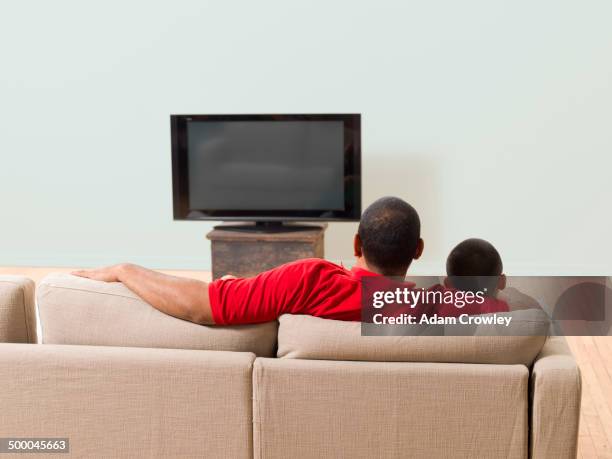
{"type": "Point", "coordinates": [313, 286]}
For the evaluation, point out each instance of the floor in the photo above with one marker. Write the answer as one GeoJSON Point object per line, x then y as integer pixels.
{"type": "Point", "coordinates": [594, 355]}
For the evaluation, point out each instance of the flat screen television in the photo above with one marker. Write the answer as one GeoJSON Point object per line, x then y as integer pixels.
{"type": "Point", "coordinates": [266, 168]}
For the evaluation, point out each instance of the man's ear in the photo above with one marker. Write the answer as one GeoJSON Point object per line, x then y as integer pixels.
{"type": "Point", "coordinates": [501, 282]}
{"type": "Point", "coordinates": [419, 249]}
{"type": "Point", "coordinates": [447, 283]}
{"type": "Point", "coordinates": [358, 252]}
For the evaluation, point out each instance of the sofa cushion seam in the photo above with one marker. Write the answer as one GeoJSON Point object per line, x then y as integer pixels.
{"type": "Point", "coordinates": [94, 292]}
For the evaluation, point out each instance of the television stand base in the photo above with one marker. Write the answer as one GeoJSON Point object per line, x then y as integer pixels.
{"type": "Point", "coordinates": [266, 227]}
{"type": "Point", "coordinates": [245, 250]}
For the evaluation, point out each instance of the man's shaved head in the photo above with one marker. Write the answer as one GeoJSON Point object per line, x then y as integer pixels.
{"type": "Point", "coordinates": [390, 231]}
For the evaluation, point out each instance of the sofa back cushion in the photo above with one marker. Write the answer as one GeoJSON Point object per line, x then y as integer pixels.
{"type": "Point", "coordinates": [74, 310]}
{"type": "Point", "coordinates": [306, 337]}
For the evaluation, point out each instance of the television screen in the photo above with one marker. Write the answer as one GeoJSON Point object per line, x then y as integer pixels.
{"type": "Point", "coordinates": [266, 167]}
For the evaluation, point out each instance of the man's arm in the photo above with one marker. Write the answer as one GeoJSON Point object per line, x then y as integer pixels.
{"type": "Point", "coordinates": [186, 299]}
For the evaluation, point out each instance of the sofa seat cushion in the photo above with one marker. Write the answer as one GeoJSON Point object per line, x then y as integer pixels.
{"type": "Point", "coordinates": [306, 337]}
{"type": "Point", "coordinates": [74, 310]}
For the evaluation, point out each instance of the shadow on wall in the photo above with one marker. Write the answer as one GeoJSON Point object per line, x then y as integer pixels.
{"type": "Point", "coordinates": [412, 177]}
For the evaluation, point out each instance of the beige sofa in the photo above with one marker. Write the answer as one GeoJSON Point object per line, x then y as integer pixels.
{"type": "Point", "coordinates": [120, 379]}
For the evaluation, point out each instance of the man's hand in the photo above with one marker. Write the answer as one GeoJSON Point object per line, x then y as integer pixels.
{"type": "Point", "coordinates": [106, 274]}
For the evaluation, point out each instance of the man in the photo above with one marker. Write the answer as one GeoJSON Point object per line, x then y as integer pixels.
{"type": "Point", "coordinates": [387, 241]}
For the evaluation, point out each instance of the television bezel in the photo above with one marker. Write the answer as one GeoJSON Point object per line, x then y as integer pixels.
{"type": "Point", "coordinates": [352, 172]}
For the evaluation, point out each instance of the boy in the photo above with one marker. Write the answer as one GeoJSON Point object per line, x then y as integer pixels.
{"type": "Point", "coordinates": [475, 266]}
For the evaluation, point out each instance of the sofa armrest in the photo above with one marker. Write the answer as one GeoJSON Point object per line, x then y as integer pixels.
{"type": "Point", "coordinates": [555, 408]}
{"type": "Point", "coordinates": [17, 311]}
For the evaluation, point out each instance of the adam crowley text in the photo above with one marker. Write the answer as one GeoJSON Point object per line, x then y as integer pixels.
{"type": "Point", "coordinates": [435, 319]}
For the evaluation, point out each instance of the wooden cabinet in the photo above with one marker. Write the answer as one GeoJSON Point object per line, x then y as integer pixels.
{"type": "Point", "coordinates": [247, 253]}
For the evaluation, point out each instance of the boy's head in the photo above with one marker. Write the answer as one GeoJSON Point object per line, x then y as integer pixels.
{"type": "Point", "coordinates": [475, 265]}
{"type": "Point", "coordinates": [389, 236]}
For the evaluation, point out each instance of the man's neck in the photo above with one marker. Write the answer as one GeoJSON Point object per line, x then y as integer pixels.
{"type": "Point", "coordinates": [361, 263]}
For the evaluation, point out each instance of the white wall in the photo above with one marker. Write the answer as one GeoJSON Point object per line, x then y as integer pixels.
{"type": "Point", "coordinates": [492, 117]}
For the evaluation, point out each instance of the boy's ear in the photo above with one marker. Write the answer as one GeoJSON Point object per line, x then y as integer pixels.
{"type": "Point", "coordinates": [419, 249]}
{"type": "Point", "coordinates": [358, 252]}
{"type": "Point", "coordinates": [447, 282]}
{"type": "Point", "coordinates": [501, 282]}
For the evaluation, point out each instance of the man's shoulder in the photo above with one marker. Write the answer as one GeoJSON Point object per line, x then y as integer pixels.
{"type": "Point", "coordinates": [312, 264]}
{"type": "Point", "coordinates": [304, 272]}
